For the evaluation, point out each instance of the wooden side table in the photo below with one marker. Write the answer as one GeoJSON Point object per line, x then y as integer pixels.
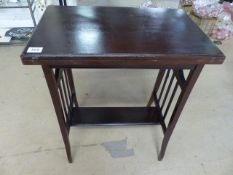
{"type": "Point", "coordinates": [117, 37]}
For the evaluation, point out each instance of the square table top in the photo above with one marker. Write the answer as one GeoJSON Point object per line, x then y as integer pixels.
{"type": "Point", "coordinates": [76, 35]}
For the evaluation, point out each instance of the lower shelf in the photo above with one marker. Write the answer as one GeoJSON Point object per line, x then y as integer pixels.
{"type": "Point", "coordinates": [115, 115]}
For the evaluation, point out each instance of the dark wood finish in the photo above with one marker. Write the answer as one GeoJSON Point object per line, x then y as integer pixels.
{"type": "Point", "coordinates": [72, 88]}
{"type": "Point", "coordinates": [115, 115]}
{"type": "Point", "coordinates": [51, 81]}
{"type": "Point", "coordinates": [119, 37]}
{"type": "Point", "coordinates": [170, 100]}
{"type": "Point", "coordinates": [164, 84]}
{"type": "Point", "coordinates": [193, 75]}
{"type": "Point", "coordinates": [167, 91]}
{"type": "Point", "coordinates": [179, 74]}
{"type": "Point", "coordinates": [156, 86]}
{"type": "Point", "coordinates": [185, 86]}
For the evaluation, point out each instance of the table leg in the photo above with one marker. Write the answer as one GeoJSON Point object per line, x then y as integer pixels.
{"type": "Point", "coordinates": [160, 98]}
{"type": "Point", "coordinates": [57, 103]}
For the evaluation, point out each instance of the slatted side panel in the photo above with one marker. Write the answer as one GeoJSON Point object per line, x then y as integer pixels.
{"type": "Point", "coordinates": [65, 94]}
{"type": "Point", "coordinates": [168, 87]}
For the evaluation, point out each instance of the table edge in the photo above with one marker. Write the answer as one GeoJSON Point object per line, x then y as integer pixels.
{"type": "Point", "coordinates": [123, 60]}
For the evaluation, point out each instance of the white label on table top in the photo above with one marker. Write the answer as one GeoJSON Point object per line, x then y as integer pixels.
{"type": "Point", "coordinates": [34, 49]}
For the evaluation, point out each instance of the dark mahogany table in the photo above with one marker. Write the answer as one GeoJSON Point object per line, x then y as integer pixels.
{"type": "Point", "coordinates": [116, 37]}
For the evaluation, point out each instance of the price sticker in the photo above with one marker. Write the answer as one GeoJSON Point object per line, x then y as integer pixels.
{"type": "Point", "coordinates": [34, 49]}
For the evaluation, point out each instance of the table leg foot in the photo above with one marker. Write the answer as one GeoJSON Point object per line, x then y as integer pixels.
{"type": "Point", "coordinates": [161, 155]}
{"type": "Point", "coordinates": [69, 157]}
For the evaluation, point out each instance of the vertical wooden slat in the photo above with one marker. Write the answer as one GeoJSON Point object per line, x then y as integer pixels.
{"type": "Point", "coordinates": [65, 93]}
{"type": "Point", "coordinates": [156, 86]}
{"type": "Point", "coordinates": [167, 91]}
{"type": "Point", "coordinates": [72, 88]}
{"type": "Point", "coordinates": [170, 100]}
{"type": "Point", "coordinates": [63, 103]}
{"type": "Point", "coordinates": [164, 84]}
{"type": "Point", "coordinates": [67, 85]}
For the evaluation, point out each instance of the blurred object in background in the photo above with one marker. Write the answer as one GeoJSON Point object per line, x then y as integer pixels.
{"type": "Point", "coordinates": [20, 33]}
{"type": "Point", "coordinates": [207, 8]}
{"type": "Point", "coordinates": [2, 2]}
{"type": "Point", "coordinates": [147, 3]}
{"type": "Point", "coordinates": [221, 1]}
{"type": "Point", "coordinates": [186, 2]}
{"type": "Point", "coordinates": [228, 7]}
{"type": "Point", "coordinates": [174, 4]}
{"type": "Point", "coordinates": [205, 23]}
{"type": "Point", "coordinates": [223, 29]}
{"type": "Point", "coordinates": [41, 5]}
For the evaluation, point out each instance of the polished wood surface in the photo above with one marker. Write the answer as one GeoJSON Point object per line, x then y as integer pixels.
{"type": "Point", "coordinates": [94, 35]}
